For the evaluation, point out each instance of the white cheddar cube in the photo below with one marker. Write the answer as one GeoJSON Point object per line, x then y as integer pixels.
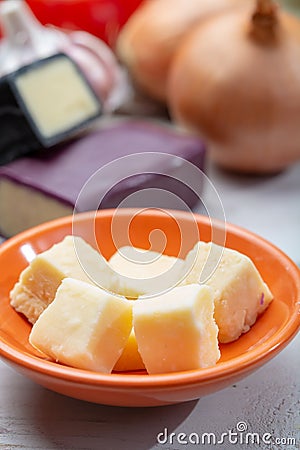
{"type": "Point", "coordinates": [240, 293]}
{"type": "Point", "coordinates": [84, 327]}
{"type": "Point", "coordinates": [176, 331]}
{"type": "Point", "coordinates": [72, 257]}
{"type": "Point", "coordinates": [143, 272]}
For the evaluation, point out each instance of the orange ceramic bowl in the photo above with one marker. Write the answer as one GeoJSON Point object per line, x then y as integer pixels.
{"type": "Point", "coordinates": [270, 334]}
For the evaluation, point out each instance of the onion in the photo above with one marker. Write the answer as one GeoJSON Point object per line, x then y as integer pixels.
{"type": "Point", "coordinates": [236, 80]}
{"type": "Point", "coordinates": [147, 43]}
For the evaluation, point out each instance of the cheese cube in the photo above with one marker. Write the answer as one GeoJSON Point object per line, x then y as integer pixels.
{"type": "Point", "coordinates": [84, 327]}
{"type": "Point", "coordinates": [143, 272]}
{"type": "Point", "coordinates": [130, 358]}
{"type": "Point", "coordinates": [38, 283]}
{"type": "Point", "coordinates": [240, 293]}
{"type": "Point", "coordinates": [139, 272]}
{"type": "Point", "coordinates": [176, 331]}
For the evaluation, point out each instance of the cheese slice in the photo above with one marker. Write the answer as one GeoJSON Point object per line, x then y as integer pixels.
{"type": "Point", "coordinates": [84, 327]}
{"type": "Point", "coordinates": [144, 272]}
{"type": "Point", "coordinates": [240, 294]}
{"type": "Point", "coordinates": [177, 331]}
{"type": "Point", "coordinates": [72, 257]}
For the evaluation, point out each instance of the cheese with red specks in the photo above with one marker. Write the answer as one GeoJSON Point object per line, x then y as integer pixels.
{"type": "Point", "coordinates": [240, 294]}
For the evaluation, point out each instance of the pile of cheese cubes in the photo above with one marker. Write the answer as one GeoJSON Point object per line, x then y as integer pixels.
{"type": "Point", "coordinates": [161, 314]}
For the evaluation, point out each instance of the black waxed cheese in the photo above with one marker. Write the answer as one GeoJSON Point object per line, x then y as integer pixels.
{"type": "Point", "coordinates": [44, 104]}
{"type": "Point", "coordinates": [16, 135]}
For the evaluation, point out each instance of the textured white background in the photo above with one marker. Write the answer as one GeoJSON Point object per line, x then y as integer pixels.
{"type": "Point", "coordinates": [268, 401]}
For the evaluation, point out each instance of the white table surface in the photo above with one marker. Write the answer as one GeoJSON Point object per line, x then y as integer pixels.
{"type": "Point", "coordinates": [268, 401]}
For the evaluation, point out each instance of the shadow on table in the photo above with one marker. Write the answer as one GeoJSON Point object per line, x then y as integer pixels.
{"type": "Point", "coordinates": [68, 423]}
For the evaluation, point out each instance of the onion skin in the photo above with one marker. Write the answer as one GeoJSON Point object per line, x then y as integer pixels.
{"type": "Point", "coordinates": [239, 88]}
{"type": "Point", "coordinates": [148, 41]}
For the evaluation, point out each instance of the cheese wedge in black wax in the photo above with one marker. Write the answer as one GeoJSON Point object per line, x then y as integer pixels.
{"type": "Point", "coordinates": [44, 104]}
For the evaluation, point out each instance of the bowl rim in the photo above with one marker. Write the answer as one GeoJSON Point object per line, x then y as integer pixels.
{"type": "Point", "coordinates": [221, 371]}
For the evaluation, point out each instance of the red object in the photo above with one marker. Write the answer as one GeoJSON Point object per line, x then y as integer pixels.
{"type": "Point", "coordinates": [103, 18]}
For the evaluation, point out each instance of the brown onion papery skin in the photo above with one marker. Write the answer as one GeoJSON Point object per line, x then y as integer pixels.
{"type": "Point", "coordinates": [242, 94]}
{"type": "Point", "coordinates": [147, 43]}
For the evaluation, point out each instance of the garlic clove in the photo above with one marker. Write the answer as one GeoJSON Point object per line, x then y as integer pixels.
{"type": "Point", "coordinates": [100, 66]}
{"type": "Point", "coordinates": [25, 39]}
